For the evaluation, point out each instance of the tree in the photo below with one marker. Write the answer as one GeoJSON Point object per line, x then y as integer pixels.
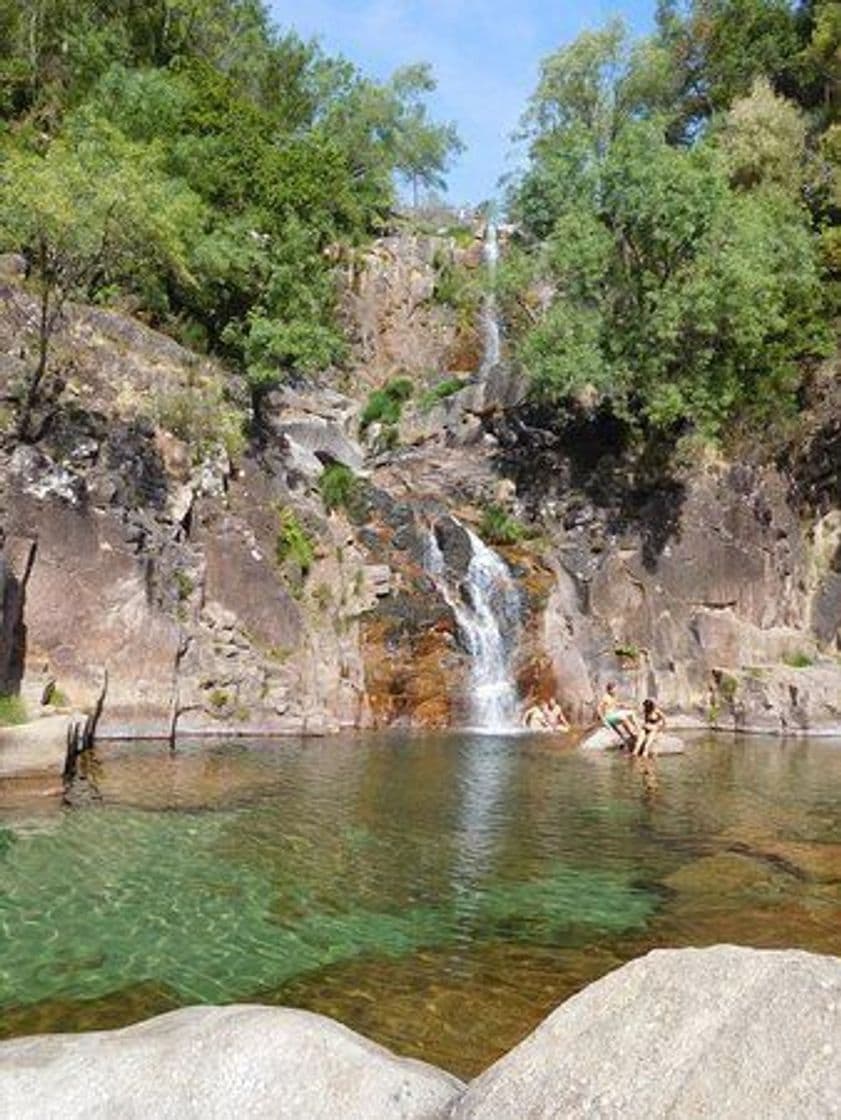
{"type": "Point", "coordinates": [681, 281]}
{"type": "Point", "coordinates": [422, 150]}
{"type": "Point", "coordinates": [86, 215]}
{"type": "Point", "coordinates": [266, 154]}
{"type": "Point", "coordinates": [719, 47]}
{"type": "Point", "coordinates": [763, 139]}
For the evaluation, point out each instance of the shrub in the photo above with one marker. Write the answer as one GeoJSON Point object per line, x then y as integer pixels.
{"type": "Point", "coordinates": [322, 596]}
{"type": "Point", "coordinates": [56, 697]}
{"type": "Point", "coordinates": [455, 286]}
{"type": "Point", "coordinates": [12, 710]}
{"type": "Point", "coordinates": [340, 489]}
{"type": "Point", "coordinates": [440, 392]}
{"type": "Point", "coordinates": [202, 417]}
{"type": "Point", "coordinates": [798, 660]}
{"type": "Point", "coordinates": [728, 686]}
{"type": "Point", "coordinates": [293, 543]}
{"type": "Point", "coordinates": [385, 405]}
{"type": "Point", "coordinates": [184, 585]}
{"type": "Point", "coordinates": [499, 527]}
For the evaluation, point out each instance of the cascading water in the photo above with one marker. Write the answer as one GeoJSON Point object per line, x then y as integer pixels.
{"type": "Point", "coordinates": [486, 605]}
{"type": "Point", "coordinates": [491, 345]}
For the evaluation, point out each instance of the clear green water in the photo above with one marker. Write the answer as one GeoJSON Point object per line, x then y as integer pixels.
{"type": "Point", "coordinates": [439, 893]}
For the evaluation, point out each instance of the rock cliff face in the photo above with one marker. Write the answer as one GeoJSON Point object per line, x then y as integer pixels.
{"type": "Point", "coordinates": [127, 547]}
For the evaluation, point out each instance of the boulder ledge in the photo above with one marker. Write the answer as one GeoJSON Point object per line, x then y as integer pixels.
{"type": "Point", "coordinates": [219, 1062]}
{"type": "Point", "coordinates": [703, 1033]}
{"type": "Point", "coordinates": [603, 739]}
{"type": "Point", "coordinates": [713, 1034]}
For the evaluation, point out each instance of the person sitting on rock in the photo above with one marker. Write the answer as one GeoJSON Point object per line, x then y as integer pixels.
{"type": "Point", "coordinates": [620, 719]}
{"type": "Point", "coordinates": [535, 718]}
{"type": "Point", "coordinates": [555, 715]}
{"type": "Point", "coordinates": [653, 722]}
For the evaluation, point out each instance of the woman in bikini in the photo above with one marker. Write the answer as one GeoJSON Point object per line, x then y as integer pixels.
{"type": "Point", "coordinates": [653, 722]}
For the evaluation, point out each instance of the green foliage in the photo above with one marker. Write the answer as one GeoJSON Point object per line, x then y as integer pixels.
{"type": "Point", "coordinates": [457, 287]}
{"type": "Point", "coordinates": [798, 660]}
{"type": "Point", "coordinates": [95, 210]}
{"type": "Point", "coordinates": [728, 686]}
{"type": "Point", "coordinates": [219, 699]}
{"type": "Point", "coordinates": [340, 489]}
{"type": "Point", "coordinates": [384, 406]}
{"type": "Point", "coordinates": [682, 283]}
{"type": "Point", "coordinates": [763, 139]}
{"type": "Point", "coordinates": [201, 416]}
{"type": "Point", "coordinates": [293, 544]}
{"type": "Point", "coordinates": [57, 697]}
{"type": "Point", "coordinates": [440, 392]}
{"type": "Point", "coordinates": [322, 597]}
{"type": "Point", "coordinates": [12, 710]}
{"type": "Point", "coordinates": [499, 527]}
{"type": "Point", "coordinates": [183, 585]}
{"type": "Point", "coordinates": [718, 47]}
{"type": "Point", "coordinates": [191, 157]}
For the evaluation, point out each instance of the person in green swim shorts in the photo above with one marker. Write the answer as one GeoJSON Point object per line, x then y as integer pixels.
{"type": "Point", "coordinates": [620, 719]}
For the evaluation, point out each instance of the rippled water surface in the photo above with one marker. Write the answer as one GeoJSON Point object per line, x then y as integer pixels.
{"type": "Point", "coordinates": [440, 894]}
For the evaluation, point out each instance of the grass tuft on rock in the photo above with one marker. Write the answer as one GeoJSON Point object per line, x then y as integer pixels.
{"type": "Point", "coordinates": [12, 711]}
{"type": "Point", "coordinates": [499, 527]}
{"type": "Point", "coordinates": [293, 544]}
{"type": "Point", "coordinates": [384, 406]}
{"type": "Point", "coordinates": [440, 392]}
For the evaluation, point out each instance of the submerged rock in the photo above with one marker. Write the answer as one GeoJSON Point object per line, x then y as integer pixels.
{"type": "Point", "coordinates": [220, 1062]}
{"type": "Point", "coordinates": [722, 1032]}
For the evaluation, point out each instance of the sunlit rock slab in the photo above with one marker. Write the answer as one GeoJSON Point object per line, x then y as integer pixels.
{"type": "Point", "coordinates": [707, 1033]}
{"type": "Point", "coordinates": [40, 746]}
{"type": "Point", "coordinates": [604, 739]}
{"type": "Point", "coordinates": [219, 1062]}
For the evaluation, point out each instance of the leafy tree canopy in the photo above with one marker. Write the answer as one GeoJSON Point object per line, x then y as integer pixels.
{"type": "Point", "coordinates": [679, 274]}
{"type": "Point", "coordinates": [258, 152]}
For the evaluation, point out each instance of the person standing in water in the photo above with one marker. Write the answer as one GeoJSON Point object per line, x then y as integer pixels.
{"type": "Point", "coordinates": [620, 719]}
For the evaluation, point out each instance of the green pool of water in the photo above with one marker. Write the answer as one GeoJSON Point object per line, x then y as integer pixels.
{"type": "Point", "coordinates": [439, 893]}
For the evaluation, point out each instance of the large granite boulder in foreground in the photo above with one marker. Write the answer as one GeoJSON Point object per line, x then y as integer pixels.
{"type": "Point", "coordinates": [722, 1033]}
{"type": "Point", "coordinates": [708, 1034]}
{"type": "Point", "coordinates": [219, 1062]}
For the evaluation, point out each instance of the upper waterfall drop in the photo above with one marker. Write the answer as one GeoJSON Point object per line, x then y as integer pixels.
{"type": "Point", "coordinates": [486, 605]}
{"type": "Point", "coordinates": [491, 334]}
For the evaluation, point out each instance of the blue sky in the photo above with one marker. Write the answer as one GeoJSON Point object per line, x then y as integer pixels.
{"type": "Point", "coordinates": [485, 54]}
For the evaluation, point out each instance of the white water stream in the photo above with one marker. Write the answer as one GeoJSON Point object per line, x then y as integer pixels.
{"type": "Point", "coordinates": [486, 606]}
{"type": "Point", "coordinates": [491, 345]}
{"type": "Point", "coordinates": [486, 603]}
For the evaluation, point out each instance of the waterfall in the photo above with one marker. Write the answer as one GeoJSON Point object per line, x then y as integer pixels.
{"type": "Point", "coordinates": [486, 606]}
{"type": "Point", "coordinates": [491, 344]}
